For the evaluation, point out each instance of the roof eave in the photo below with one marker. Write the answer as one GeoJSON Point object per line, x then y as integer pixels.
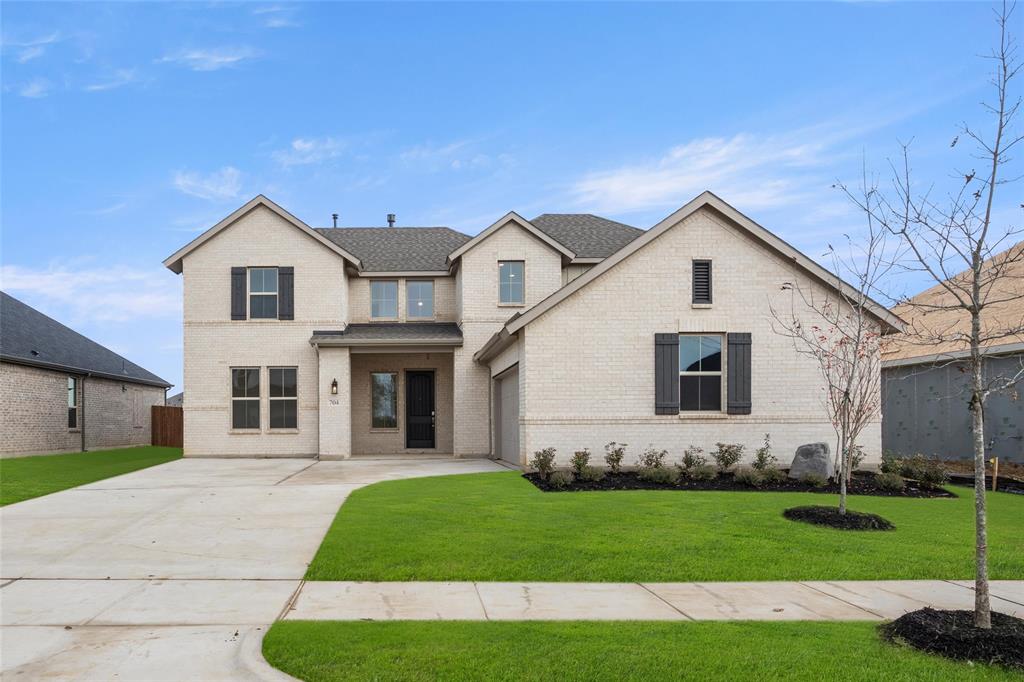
{"type": "Point", "coordinates": [81, 371]}
{"type": "Point", "coordinates": [513, 217]}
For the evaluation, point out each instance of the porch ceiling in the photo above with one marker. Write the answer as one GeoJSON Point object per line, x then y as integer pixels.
{"type": "Point", "coordinates": [391, 334]}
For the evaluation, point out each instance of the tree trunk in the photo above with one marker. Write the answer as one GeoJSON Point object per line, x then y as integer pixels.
{"type": "Point", "coordinates": [842, 475]}
{"type": "Point", "coordinates": [982, 609]}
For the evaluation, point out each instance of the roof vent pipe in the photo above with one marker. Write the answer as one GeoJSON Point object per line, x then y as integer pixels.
{"type": "Point", "coordinates": [334, 216]}
{"type": "Point", "coordinates": [391, 219]}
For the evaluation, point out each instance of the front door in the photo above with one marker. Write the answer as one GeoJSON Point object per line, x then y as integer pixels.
{"type": "Point", "coordinates": [419, 409]}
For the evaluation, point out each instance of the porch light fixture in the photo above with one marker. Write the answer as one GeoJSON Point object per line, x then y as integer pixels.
{"type": "Point", "coordinates": [334, 387]}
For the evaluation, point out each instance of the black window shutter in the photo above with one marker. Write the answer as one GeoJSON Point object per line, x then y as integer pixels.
{"type": "Point", "coordinates": [738, 362]}
{"type": "Point", "coordinates": [702, 281]}
{"type": "Point", "coordinates": [286, 293]}
{"type": "Point", "coordinates": [666, 373]}
{"type": "Point", "coordinates": [238, 293]}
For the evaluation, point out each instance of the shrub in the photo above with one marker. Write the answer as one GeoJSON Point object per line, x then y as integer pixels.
{"type": "Point", "coordinates": [891, 463]}
{"type": "Point", "coordinates": [703, 472]}
{"type": "Point", "coordinates": [591, 474]}
{"type": "Point", "coordinates": [749, 476]}
{"type": "Point", "coordinates": [613, 456]}
{"type": "Point", "coordinates": [653, 459]}
{"type": "Point", "coordinates": [857, 456]}
{"type": "Point", "coordinates": [659, 474]}
{"type": "Point", "coordinates": [543, 462]}
{"type": "Point", "coordinates": [888, 480]}
{"type": "Point", "coordinates": [814, 480]}
{"type": "Point", "coordinates": [693, 457]}
{"type": "Point", "coordinates": [763, 457]}
{"type": "Point", "coordinates": [580, 459]}
{"type": "Point", "coordinates": [774, 476]}
{"type": "Point", "coordinates": [926, 470]}
{"type": "Point", "coordinates": [727, 454]}
{"type": "Point", "coordinates": [560, 479]}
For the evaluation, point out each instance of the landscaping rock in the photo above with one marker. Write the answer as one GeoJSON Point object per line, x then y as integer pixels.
{"type": "Point", "coordinates": [812, 458]}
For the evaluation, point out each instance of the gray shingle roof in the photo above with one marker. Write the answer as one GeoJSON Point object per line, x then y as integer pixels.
{"type": "Point", "coordinates": [397, 249]}
{"type": "Point", "coordinates": [392, 332]}
{"type": "Point", "coordinates": [586, 235]}
{"type": "Point", "coordinates": [29, 337]}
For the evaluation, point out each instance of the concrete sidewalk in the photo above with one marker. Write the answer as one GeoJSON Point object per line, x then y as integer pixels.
{"type": "Point", "coordinates": [812, 600]}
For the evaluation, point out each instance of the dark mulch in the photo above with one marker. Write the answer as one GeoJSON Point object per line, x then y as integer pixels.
{"type": "Point", "coordinates": [830, 516]}
{"type": "Point", "coordinates": [863, 483]}
{"type": "Point", "coordinates": [952, 634]}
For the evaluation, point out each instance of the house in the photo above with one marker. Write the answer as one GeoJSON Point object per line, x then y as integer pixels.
{"type": "Point", "coordinates": [62, 392]}
{"type": "Point", "coordinates": [926, 386]}
{"type": "Point", "coordinates": [176, 400]}
{"type": "Point", "coordinates": [566, 331]}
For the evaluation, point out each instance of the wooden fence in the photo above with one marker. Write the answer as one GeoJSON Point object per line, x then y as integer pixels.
{"type": "Point", "coordinates": [167, 426]}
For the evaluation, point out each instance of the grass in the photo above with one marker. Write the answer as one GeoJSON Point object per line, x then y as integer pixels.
{"type": "Point", "coordinates": [500, 527]}
{"type": "Point", "coordinates": [335, 650]}
{"type": "Point", "coordinates": [22, 478]}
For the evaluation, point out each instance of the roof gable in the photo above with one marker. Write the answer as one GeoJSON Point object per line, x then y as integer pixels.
{"type": "Point", "coordinates": [515, 218]}
{"type": "Point", "coordinates": [587, 235]}
{"type": "Point", "coordinates": [398, 249]}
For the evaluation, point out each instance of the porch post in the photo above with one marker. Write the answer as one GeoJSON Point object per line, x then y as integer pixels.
{"type": "Point", "coordinates": [335, 408]}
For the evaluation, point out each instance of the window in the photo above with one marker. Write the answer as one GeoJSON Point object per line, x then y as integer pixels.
{"type": "Point", "coordinates": [245, 398]}
{"type": "Point", "coordinates": [72, 403]}
{"type": "Point", "coordinates": [511, 281]}
{"type": "Point", "coordinates": [384, 299]}
{"type": "Point", "coordinates": [700, 373]}
{"type": "Point", "coordinates": [702, 282]}
{"type": "Point", "coordinates": [419, 298]}
{"type": "Point", "coordinates": [384, 393]}
{"type": "Point", "coordinates": [263, 293]}
{"type": "Point", "coordinates": [283, 398]}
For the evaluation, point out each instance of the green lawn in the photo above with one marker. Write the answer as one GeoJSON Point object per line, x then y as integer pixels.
{"type": "Point", "coordinates": [22, 478]}
{"type": "Point", "coordinates": [333, 650]}
{"type": "Point", "coordinates": [500, 527]}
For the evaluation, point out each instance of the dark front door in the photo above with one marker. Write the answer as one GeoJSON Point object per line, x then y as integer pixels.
{"type": "Point", "coordinates": [419, 409]}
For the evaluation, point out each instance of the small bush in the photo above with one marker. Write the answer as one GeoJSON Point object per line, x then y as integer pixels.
{"type": "Point", "coordinates": [763, 457]}
{"type": "Point", "coordinates": [652, 459]}
{"type": "Point", "coordinates": [749, 476]}
{"type": "Point", "coordinates": [857, 456]}
{"type": "Point", "coordinates": [591, 474]}
{"type": "Point", "coordinates": [560, 479]}
{"type": "Point", "coordinates": [774, 476]}
{"type": "Point", "coordinates": [926, 470]}
{"type": "Point", "coordinates": [888, 480]}
{"type": "Point", "coordinates": [703, 472]}
{"type": "Point", "coordinates": [614, 453]}
{"type": "Point", "coordinates": [659, 474]}
{"type": "Point", "coordinates": [580, 459]}
{"type": "Point", "coordinates": [543, 462]}
{"type": "Point", "coordinates": [693, 457]}
{"type": "Point", "coordinates": [814, 480]}
{"type": "Point", "coordinates": [891, 463]}
{"type": "Point", "coordinates": [727, 454]}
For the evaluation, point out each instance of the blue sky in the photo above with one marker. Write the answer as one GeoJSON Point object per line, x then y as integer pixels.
{"type": "Point", "coordinates": [128, 129]}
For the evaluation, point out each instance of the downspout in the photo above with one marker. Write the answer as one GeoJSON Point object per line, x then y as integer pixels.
{"type": "Point", "coordinates": [81, 429]}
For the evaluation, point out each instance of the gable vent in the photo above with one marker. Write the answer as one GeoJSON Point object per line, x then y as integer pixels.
{"type": "Point", "coordinates": [702, 281]}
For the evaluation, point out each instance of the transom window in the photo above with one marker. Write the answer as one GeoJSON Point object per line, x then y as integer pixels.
{"type": "Point", "coordinates": [384, 299]}
{"type": "Point", "coordinates": [263, 293]}
{"type": "Point", "coordinates": [700, 373]}
{"type": "Point", "coordinates": [245, 398]}
{"type": "Point", "coordinates": [511, 281]}
{"type": "Point", "coordinates": [72, 403]}
{"type": "Point", "coordinates": [284, 403]}
{"type": "Point", "coordinates": [384, 400]}
{"type": "Point", "coordinates": [419, 296]}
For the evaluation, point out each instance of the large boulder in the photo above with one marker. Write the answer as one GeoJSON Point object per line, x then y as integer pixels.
{"type": "Point", "coordinates": [812, 458]}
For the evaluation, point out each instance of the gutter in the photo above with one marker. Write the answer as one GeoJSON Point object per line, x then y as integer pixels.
{"type": "Point", "coordinates": [935, 358]}
{"type": "Point", "coordinates": [501, 340]}
{"type": "Point", "coordinates": [42, 364]}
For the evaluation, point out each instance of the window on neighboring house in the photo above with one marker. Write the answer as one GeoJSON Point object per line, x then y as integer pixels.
{"type": "Point", "coordinates": [284, 403]}
{"type": "Point", "coordinates": [702, 282]}
{"type": "Point", "coordinates": [384, 398]}
{"type": "Point", "coordinates": [511, 282]}
{"type": "Point", "coordinates": [245, 398]}
{"type": "Point", "coordinates": [263, 293]}
{"type": "Point", "coordinates": [419, 296]}
{"type": "Point", "coordinates": [384, 299]}
{"type": "Point", "coordinates": [700, 373]}
{"type": "Point", "coordinates": [72, 403]}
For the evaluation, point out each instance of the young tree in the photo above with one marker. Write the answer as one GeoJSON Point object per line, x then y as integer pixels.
{"type": "Point", "coordinates": [955, 241]}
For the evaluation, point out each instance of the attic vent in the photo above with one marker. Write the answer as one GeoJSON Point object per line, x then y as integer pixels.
{"type": "Point", "coordinates": [702, 281]}
{"type": "Point", "coordinates": [35, 353]}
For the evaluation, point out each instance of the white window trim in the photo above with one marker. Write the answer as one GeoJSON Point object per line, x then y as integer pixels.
{"type": "Point", "coordinates": [272, 398]}
{"type": "Point", "coordinates": [258, 399]}
{"type": "Point", "coordinates": [397, 298]}
{"type": "Point", "coordinates": [722, 398]}
{"type": "Point", "coordinates": [512, 304]}
{"type": "Point", "coordinates": [433, 301]}
{"type": "Point", "coordinates": [249, 293]}
{"type": "Point", "coordinates": [384, 429]}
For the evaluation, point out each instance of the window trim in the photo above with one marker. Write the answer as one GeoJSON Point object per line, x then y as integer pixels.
{"type": "Point", "coordinates": [72, 398]}
{"type": "Point", "coordinates": [693, 281]}
{"type": "Point", "coordinates": [271, 398]}
{"type": "Point", "coordinates": [258, 399]}
{"type": "Point", "coordinates": [394, 378]}
{"type": "Point", "coordinates": [249, 293]}
{"type": "Point", "coordinates": [722, 374]}
{"type": "Point", "coordinates": [522, 302]}
{"type": "Point", "coordinates": [397, 301]}
{"type": "Point", "coordinates": [433, 312]}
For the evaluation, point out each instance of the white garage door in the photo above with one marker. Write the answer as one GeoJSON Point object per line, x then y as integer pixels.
{"type": "Point", "coordinates": [506, 416]}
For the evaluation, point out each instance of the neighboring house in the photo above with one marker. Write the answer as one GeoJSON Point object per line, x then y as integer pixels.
{"type": "Point", "coordinates": [176, 400]}
{"type": "Point", "coordinates": [567, 331]}
{"type": "Point", "coordinates": [61, 392]}
{"type": "Point", "coordinates": [926, 386]}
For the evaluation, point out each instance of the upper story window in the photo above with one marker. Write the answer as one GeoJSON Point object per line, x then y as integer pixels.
{"type": "Point", "coordinates": [511, 281]}
{"type": "Point", "coordinates": [72, 403]}
{"type": "Point", "coordinates": [419, 296]}
{"type": "Point", "coordinates": [263, 293]}
{"type": "Point", "coordinates": [700, 373]}
{"type": "Point", "coordinates": [384, 299]}
{"type": "Point", "coordinates": [702, 282]}
{"type": "Point", "coordinates": [284, 401]}
{"type": "Point", "coordinates": [245, 398]}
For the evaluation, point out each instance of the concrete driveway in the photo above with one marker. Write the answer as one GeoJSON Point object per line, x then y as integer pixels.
{"type": "Point", "coordinates": [172, 572]}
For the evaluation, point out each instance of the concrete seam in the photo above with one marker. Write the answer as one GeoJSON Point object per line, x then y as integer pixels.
{"type": "Point", "coordinates": [991, 592]}
{"type": "Point", "coordinates": [296, 473]}
{"type": "Point", "coordinates": [666, 602]}
{"type": "Point", "coordinates": [291, 601]}
{"type": "Point", "coordinates": [479, 597]}
{"type": "Point", "coordinates": [849, 603]}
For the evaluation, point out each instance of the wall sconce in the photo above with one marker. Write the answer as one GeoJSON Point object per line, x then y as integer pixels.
{"type": "Point", "coordinates": [123, 389]}
{"type": "Point", "coordinates": [334, 387]}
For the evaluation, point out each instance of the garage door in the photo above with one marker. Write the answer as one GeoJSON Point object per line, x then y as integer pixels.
{"type": "Point", "coordinates": [506, 415]}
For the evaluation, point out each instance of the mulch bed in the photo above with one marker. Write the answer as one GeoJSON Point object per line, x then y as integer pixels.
{"type": "Point", "coordinates": [952, 634]}
{"type": "Point", "coordinates": [863, 483]}
{"type": "Point", "coordinates": [830, 516]}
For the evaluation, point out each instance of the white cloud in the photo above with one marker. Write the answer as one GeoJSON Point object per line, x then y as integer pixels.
{"type": "Point", "coordinates": [106, 210]}
{"type": "Point", "coordinates": [457, 156]}
{"type": "Point", "coordinates": [36, 88]}
{"type": "Point", "coordinates": [303, 151]}
{"type": "Point", "coordinates": [30, 53]}
{"type": "Point", "coordinates": [209, 59]}
{"type": "Point", "coordinates": [217, 186]}
{"type": "Point", "coordinates": [31, 48]}
{"type": "Point", "coordinates": [277, 16]}
{"type": "Point", "coordinates": [118, 79]}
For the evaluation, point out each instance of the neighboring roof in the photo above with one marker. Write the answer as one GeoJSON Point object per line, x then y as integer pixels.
{"type": "Point", "coordinates": [391, 333]}
{"type": "Point", "coordinates": [587, 235]}
{"type": "Point", "coordinates": [176, 400]}
{"type": "Point", "coordinates": [173, 262]}
{"type": "Point", "coordinates": [512, 217]}
{"type": "Point", "coordinates": [1006, 313]}
{"type": "Point", "coordinates": [30, 338]}
{"type": "Point", "coordinates": [398, 249]}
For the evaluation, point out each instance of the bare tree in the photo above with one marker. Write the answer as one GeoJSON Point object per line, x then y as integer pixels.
{"type": "Point", "coordinates": [955, 241]}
